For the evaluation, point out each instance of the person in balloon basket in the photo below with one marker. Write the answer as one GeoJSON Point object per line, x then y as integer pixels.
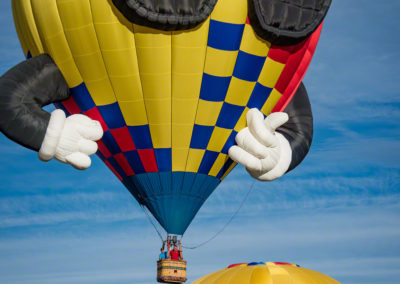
{"type": "Point", "coordinates": [163, 254]}
{"type": "Point", "coordinates": [175, 253]}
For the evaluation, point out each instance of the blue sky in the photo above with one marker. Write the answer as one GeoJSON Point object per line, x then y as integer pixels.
{"type": "Point", "coordinates": [337, 213]}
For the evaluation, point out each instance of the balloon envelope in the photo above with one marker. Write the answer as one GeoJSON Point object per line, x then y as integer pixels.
{"type": "Point", "coordinates": [266, 273]}
{"type": "Point", "coordinates": [170, 103]}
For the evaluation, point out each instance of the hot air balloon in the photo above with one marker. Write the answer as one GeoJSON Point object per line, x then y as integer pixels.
{"type": "Point", "coordinates": [266, 273]}
{"type": "Point", "coordinates": [170, 82]}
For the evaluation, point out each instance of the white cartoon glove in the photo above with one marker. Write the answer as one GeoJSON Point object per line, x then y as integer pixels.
{"type": "Point", "coordinates": [265, 153]}
{"type": "Point", "coordinates": [71, 140]}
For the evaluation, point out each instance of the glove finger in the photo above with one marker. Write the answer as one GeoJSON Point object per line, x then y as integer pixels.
{"type": "Point", "coordinates": [257, 127]}
{"type": "Point", "coordinates": [276, 119]}
{"type": "Point", "coordinates": [87, 147]}
{"type": "Point", "coordinates": [247, 142]}
{"type": "Point", "coordinates": [244, 158]}
{"type": "Point", "coordinates": [79, 160]}
{"type": "Point", "coordinates": [93, 132]}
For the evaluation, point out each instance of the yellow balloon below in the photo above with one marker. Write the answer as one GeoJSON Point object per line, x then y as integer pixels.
{"type": "Point", "coordinates": [266, 273]}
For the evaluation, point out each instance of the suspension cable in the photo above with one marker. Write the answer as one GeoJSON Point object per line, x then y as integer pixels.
{"type": "Point", "coordinates": [227, 223]}
{"type": "Point", "coordinates": [151, 222]}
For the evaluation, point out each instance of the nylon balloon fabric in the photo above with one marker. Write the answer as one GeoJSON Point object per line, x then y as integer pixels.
{"type": "Point", "coordinates": [265, 273]}
{"type": "Point", "coordinates": [170, 102]}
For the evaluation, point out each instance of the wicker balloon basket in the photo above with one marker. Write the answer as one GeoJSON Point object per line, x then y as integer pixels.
{"type": "Point", "coordinates": [171, 271]}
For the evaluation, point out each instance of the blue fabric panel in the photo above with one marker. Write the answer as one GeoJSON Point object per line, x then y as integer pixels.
{"type": "Point", "coordinates": [116, 166]}
{"type": "Point", "coordinates": [110, 143]}
{"type": "Point", "coordinates": [197, 188]}
{"type": "Point", "coordinates": [208, 161]}
{"type": "Point", "coordinates": [248, 66]}
{"type": "Point", "coordinates": [255, 263]}
{"type": "Point", "coordinates": [259, 96]}
{"type": "Point", "coordinates": [112, 115]}
{"type": "Point", "coordinates": [134, 161]}
{"type": "Point", "coordinates": [60, 106]}
{"type": "Point", "coordinates": [214, 88]}
{"type": "Point", "coordinates": [82, 97]}
{"type": "Point", "coordinates": [187, 183]}
{"type": "Point", "coordinates": [210, 187]}
{"type": "Point", "coordinates": [225, 36]}
{"type": "Point", "coordinates": [177, 183]}
{"type": "Point", "coordinates": [130, 185]}
{"type": "Point", "coordinates": [224, 168]}
{"type": "Point", "coordinates": [166, 182]}
{"type": "Point", "coordinates": [201, 136]}
{"type": "Point", "coordinates": [174, 211]}
{"type": "Point", "coordinates": [155, 181]}
{"type": "Point", "coordinates": [140, 183]}
{"type": "Point", "coordinates": [229, 115]}
{"type": "Point", "coordinates": [100, 155]}
{"type": "Point", "coordinates": [141, 136]}
{"type": "Point", "coordinates": [229, 143]}
{"type": "Point", "coordinates": [164, 159]}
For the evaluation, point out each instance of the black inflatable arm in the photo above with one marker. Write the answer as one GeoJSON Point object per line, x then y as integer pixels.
{"type": "Point", "coordinates": [24, 90]}
{"type": "Point", "coordinates": [299, 129]}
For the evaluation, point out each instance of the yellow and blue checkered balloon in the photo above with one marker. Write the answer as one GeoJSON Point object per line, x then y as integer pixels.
{"type": "Point", "coordinates": [170, 103]}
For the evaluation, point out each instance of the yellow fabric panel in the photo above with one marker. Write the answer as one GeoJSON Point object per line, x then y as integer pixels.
{"type": "Point", "coordinates": [184, 111]}
{"type": "Point", "coordinates": [242, 122]}
{"type": "Point", "coordinates": [20, 32]}
{"type": "Point", "coordinates": [117, 44]}
{"type": "Point", "coordinates": [153, 49]}
{"type": "Point", "coordinates": [27, 27]}
{"type": "Point", "coordinates": [242, 274]}
{"type": "Point", "coordinates": [182, 135]}
{"type": "Point", "coordinates": [270, 73]}
{"type": "Point", "coordinates": [239, 91]}
{"type": "Point", "coordinates": [218, 139]}
{"type": "Point", "coordinates": [319, 277]}
{"type": "Point", "coordinates": [229, 170]}
{"type": "Point", "coordinates": [179, 158]}
{"type": "Point", "coordinates": [134, 112]}
{"type": "Point", "coordinates": [218, 164]}
{"type": "Point", "coordinates": [216, 277]}
{"type": "Point", "coordinates": [298, 276]}
{"type": "Point", "coordinates": [187, 47]}
{"type": "Point", "coordinates": [261, 275]}
{"type": "Point", "coordinates": [157, 112]}
{"type": "Point", "coordinates": [208, 112]}
{"type": "Point", "coordinates": [54, 41]}
{"type": "Point", "coordinates": [161, 135]}
{"type": "Point", "coordinates": [253, 44]}
{"type": "Point", "coordinates": [76, 17]}
{"type": "Point", "coordinates": [220, 62]}
{"type": "Point", "coordinates": [230, 11]}
{"type": "Point", "coordinates": [194, 160]}
{"type": "Point", "coordinates": [271, 102]}
{"type": "Point", "coordinates": [280, 275]}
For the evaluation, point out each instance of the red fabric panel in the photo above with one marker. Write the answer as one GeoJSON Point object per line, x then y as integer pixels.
{"type": "Point", "coordinates": [71, 106]}
{"type": "Point", "coordinates": [113, 170]}
{"type": "Point", "coordinates": [123, 139]}
{"type": "Point", "coordinates": [103, 149]}
{"type": "Point", "coordinates": [148, 160]}
{"type": "Point", "coordinates": [300, 67]}
{"type": "Point", "coordinates": [95, 115]}
{"type": "Point", "coordinates": [282, 263]}
{"type": "Point", "coordinates": [123, 162]}
{"type": "Point", "coordinates": [234, 265]}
